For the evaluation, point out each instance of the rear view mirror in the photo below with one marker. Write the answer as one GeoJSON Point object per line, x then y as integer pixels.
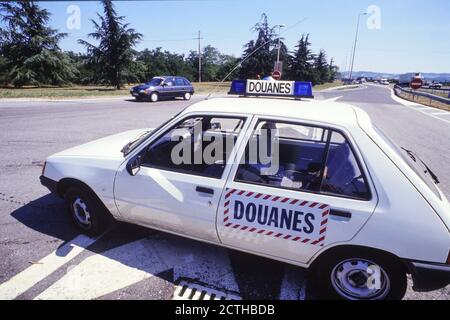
{"type": "Point", "coordinates": [134, 165]}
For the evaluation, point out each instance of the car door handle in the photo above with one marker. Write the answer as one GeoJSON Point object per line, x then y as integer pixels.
{"type": "Point", "coordinates": [341, 214]}
{"type": "Point", "coordinates": [204, 190]}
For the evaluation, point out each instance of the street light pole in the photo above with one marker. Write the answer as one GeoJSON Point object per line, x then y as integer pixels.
{"type": "Point", "coordinates": [199, 58]}
{"type": "Point", "coordinates": [279, 40]}
{"type": "Point", "coordinates": [354, 46]}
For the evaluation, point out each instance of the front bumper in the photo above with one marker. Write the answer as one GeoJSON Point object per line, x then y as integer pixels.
{"type": "Point", "coordinates": [429, 276]}
{"type": "Point", "coordinates": [139, 94]}
{"type": "Point", "coordinates": [49, 184]}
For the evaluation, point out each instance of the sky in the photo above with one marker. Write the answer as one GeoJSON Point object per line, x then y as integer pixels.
{"type": "Point", "coordinates": [395, 37]}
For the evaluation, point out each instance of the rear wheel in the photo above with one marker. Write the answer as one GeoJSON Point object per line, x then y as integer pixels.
{"type": "Point", "coordinates": [154, 97]}
{"type": "Point", "coordinates": [87, 212]}
{"type": "Point", "coordinates": [359, 275]}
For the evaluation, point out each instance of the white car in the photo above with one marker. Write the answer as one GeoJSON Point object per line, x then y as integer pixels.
{"type": "Point", "coordinates": [333, 194]}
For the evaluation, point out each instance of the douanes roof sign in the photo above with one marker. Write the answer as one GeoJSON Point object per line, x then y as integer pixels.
{"type": "Point", "coordinates": [294, 89]}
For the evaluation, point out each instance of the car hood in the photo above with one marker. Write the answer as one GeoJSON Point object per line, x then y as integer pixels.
{"type": "Point", "coordinates": [108, 147]}
{"type": "Point", "coordinates": [141, 87]}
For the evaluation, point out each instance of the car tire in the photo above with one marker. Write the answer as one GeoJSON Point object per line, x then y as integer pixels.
{"type": "Point", "coordinates": [154, 97]}
{"type": "Point", "coordinates": [343, 276]}
{"type": "Point", "coordinates": [86, 210]}
{"type": "Point", "coordinates": [187, 96]}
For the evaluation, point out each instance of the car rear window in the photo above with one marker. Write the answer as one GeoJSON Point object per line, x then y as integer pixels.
{"type": "Point", "coordinates": [416, 166]}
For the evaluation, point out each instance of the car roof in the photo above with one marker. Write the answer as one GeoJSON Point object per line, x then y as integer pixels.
{"type": "Point", "coordinates": [305, 109]}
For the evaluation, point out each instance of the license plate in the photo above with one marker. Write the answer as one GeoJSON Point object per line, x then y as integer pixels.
{"type": "Point", "coordinates": [135, 94]}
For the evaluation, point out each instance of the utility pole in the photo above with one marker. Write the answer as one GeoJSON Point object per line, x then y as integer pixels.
{"type": "Point", "coordinates": [199, 58]}
{"type": "Point", "coordinates": [354, 46]}
{"type": "Point", "coordinates": [279, 40]}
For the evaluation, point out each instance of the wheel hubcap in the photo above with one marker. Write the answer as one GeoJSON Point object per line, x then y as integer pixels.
{"type": "Point", "coordinates": [154, 97]}
{"type": "Point", "coordinates": [81, 213]}
{"type": "Point", "coordinates": [187, 96]}
{"type": "Point", "coordinates": [360, 279]}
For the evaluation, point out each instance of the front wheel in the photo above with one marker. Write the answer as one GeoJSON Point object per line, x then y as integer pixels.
{"type": "Point", "coordinates": [87, 212]}
{"type": "Point", "coordinates": [360, 275]}
{"type": "Point", "coordinates": [187, 96]}
{"type": "Point", "coordinates": [154, 97]}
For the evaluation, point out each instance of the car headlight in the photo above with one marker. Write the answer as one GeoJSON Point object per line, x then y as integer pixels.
{"type": "Point", "coordinates": [142, 91]}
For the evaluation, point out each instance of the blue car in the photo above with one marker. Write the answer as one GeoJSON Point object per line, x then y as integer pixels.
{"type": "Point", "coordinates": [163, 87]}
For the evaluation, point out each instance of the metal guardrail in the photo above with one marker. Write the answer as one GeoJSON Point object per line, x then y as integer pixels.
{"type": "Point", "coordinates": [423, 94]}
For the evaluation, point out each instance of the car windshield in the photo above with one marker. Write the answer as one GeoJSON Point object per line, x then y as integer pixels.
{"type": "Point", "coordinates": [414, 162]}
{"type": "Point", "coordinates": [133, 144]}
{"type": "Point", "coordinates": [155, 82]}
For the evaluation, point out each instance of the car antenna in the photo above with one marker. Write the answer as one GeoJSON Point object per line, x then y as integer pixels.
{"type": "Point", "coordinates": [251, 54]}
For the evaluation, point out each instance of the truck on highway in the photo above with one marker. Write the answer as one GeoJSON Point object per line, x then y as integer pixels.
{"type": "Point", "coordinates": [406, 78]}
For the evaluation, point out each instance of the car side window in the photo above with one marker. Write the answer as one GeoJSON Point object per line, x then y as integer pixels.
{"type": "Point", "coordinates": [186, 83]}
{"type": "Point", "coordinates": [343, 175]}
{"type": "Point", "coordinates": [284, 155]}
{"type": "Point", "coordinates": [179, 82]}
{"type": "Point", "coordinates": [169, 82]}
{"type": "Point", "coordinates": [199, 145]}
{"type": "Point", "coordinates": [301, 157]}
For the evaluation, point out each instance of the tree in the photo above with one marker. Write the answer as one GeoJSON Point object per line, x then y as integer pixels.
{"type": "Point", "coordinates": [159, 63]}
{"type": "Point", "coordinates": [113, 56]}
{"type": "Point", "coordinates": [29, 48]}
{"type": "Point", "coordinates": [332, 71]}
{"type": "Point", "coordinates": [259, 56]}
{"type": "Point", "coordinates": [302, 61]}
{"type": "Point", "coordinates": [321, 68]}
{"type": "Point", "coordinates": [214, 64]}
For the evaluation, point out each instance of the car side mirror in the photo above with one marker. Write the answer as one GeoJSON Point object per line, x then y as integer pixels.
{"type": "Point", "coordinates": [134, 165]}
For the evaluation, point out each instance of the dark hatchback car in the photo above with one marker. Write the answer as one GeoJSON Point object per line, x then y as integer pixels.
{"type": "Point", "coordinates": [163, 87]}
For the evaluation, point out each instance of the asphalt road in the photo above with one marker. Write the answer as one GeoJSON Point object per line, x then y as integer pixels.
{"type": "Point", "coordinates": [44, 257]}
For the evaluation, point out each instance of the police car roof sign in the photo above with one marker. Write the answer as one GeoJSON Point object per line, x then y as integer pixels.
{"type": "Point", "coordinates": [296, 89]}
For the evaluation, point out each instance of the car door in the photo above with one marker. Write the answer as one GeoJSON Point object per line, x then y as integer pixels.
{"type": "Point", "coordinates": [169, 88]}
{"type": "Point", "coordinates": [297, 188]}
{"type": "Point", "coordinates": [178, 187]}
{"type": "Point", "coordinates": [181, 88]}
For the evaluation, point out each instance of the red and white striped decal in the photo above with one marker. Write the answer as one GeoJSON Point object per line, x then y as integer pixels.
{"type": "Point", "coordinates": [323, 224]}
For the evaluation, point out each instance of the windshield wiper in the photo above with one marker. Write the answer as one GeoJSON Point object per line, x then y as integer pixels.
{"type": "Point", "coordinates": [428, 170]}
{"type": "Point", "coordinates": [410, 154]}
{"type": "Point", "coordinates": [128, 146]}
{"type": "Point", "coordinates": [432, 175]}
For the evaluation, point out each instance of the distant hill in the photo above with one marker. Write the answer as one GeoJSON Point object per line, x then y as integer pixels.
{"type": "Point", "coordinates": [439, 77]}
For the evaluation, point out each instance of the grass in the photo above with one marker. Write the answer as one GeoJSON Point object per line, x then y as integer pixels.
{"type": "Point", "coordinates": [77, 91]}
{"type": "Point", "coordinates": [62, 92]}
{"type": "Point", "coordinates": [439, 93]}
{"type": "Point", "coordinates": [211, 87]}
{"type": "Point", "coordinates": [328, 85]}
{"type": "Point", "coordinates": [94, 91]}
{"type": "Point", "coordinates": [425, 101]}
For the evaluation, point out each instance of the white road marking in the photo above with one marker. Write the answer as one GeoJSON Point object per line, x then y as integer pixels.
{"type": "Point", "coordinates": [414, 106]}
{"type": "Point", "coordinates": [104, 273]}
{"type": "Point", "coordinates": [23, 281]}
{"type": "Point", "coordinates": [126, 265]}
{"type": "Point", "coordinates": [333, 99]}
{"type": "Point", "coordinates": [441, 113]}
